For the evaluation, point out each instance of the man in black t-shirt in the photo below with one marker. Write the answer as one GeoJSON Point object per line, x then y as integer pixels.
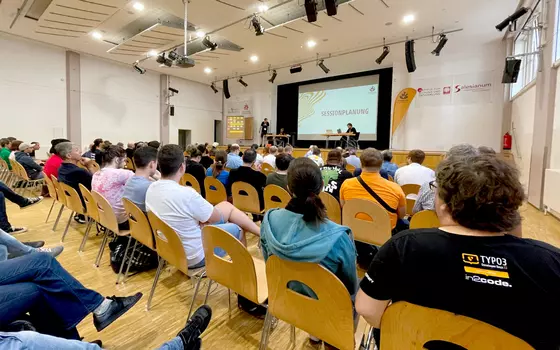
{"type": "Point", "coordinates": [193, 167]}
{"type": "Point", "coordinates": [334, 174]}
{"type": "Point", "coordinates": [246, 174]}
{"type": "Point", "coordinates": [264, 128]}
{"type": "Point", "coordinates": [470, 265]}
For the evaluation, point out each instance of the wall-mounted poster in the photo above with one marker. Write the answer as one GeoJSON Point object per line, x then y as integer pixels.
{"type": "Point", "coordinates": [235, 127]}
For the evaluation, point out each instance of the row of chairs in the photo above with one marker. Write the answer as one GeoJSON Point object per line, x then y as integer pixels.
{"type": "Point", "coordinates": [17, 176]}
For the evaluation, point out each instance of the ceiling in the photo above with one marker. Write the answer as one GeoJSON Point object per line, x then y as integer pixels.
{"type": "Point", "coordinates": [358, 24]}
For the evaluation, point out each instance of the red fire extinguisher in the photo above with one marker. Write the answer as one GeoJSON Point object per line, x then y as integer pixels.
{"type": "Point", "coordinates": [507, 141]}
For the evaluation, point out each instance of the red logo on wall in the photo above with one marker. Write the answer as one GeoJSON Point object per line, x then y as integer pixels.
{"type": "Point", "coordinates": [446, 90]}
{"type": "Point", "coordinates": [457, 88]}
{"type": "Point", "coordinates": [420, 89]}
{"type": "Point", "coordinates": [246, 107]}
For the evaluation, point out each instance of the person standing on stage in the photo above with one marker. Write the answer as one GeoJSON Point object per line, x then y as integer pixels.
{"type": "Point", "coordinates": [264, 127]}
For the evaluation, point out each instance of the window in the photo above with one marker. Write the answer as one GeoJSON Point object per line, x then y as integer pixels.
{"type": "Point", "coordinates": [527, 42]}
{"type": "Point", "coordinates": [556, 49]}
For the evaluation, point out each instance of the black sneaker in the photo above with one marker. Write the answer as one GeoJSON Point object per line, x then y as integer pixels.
{"type": "Point", "coordinates": [37, 244]}
{"type": "Point", "coordinates": [15, 230]}
{"type": "Point", "coordinates": [31, 201]}
{"type": "Point", "coordinates": [195, 326]}
{"type": "Point", "coordinates": [80, 219]}
{"type": "Point", "coordinates": [118, 307]}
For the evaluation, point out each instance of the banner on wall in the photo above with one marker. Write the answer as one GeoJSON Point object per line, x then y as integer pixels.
{"type": "Point", "coordinates": [434, 91]}
{"type": "Point", "coordinates": [460, 89]}
{"type": "Point", "coordinates": [402, 103]}
{"type": "Point", "coordinates": [238, 107]}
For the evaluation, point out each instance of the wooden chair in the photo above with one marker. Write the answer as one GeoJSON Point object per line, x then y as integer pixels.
{"type": "Point", "coordinates": [333, 207]}
{"type": "Point", "coordinates": [60, 197]}
{"type": "Point", "coordinates": [410, 189]}
{"type": "Point", "coordinates": [350, 168]}
{"type": "Point", "coordinates": [377, 231]}
{"type": "Point", "coordinates": [94, 167]}
{"type": "Point", "coordinates": [424, 219]}
{"type": "Point", "coordinates": [275, 197]}
{"type": "Point", "coordinates": [409, 326]}
{"type": "Point", "coordinates": [107, 219]}
{"type": "Point", "coordinates": [140, 230]}
{"type": "Point", "coordinates": [189, 180]}
{"type": "Point", "coordinates": [80, 165]}
{"type": "Point", "coordinates": [241, 273]}
{"type": "Point", "coordinates": [52, 194]}
{"type": "Point", "coordinates": [130, 164]}
{"type": "Point", "coordinates": [267, 169]}
{"type": "Point", "coordinates": [20, 170]}
{"type": "Point", "coordinates": [92, 213]}
{"type": "Point", "coordinates": [169, 248]}
{"type": "Point", "coordinates": [6, 173]}
{"type": "Point", "coordinates": [390, 178]}
{"type": "Point", "coordinates": [329, 317]}
{"type": "Point", "coordinates": [246, 198]}
{"type": "Point", "coordinates": [215, 190]}
{"type": "Point", "coordinates": [73, 202]}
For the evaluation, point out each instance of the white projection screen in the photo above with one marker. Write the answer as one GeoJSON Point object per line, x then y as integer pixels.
{"type": "Point", "coordinates": [331, 105]}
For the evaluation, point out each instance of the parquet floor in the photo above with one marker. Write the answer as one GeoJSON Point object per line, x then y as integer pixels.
{"type": "Point", "coordinates": [141, 329]}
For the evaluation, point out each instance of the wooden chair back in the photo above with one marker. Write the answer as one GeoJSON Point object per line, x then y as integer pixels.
{"type": "Point", "coordinates": [73, 201]}
{"type": "Point", "coordinates": [267, 169]}
{"type": "Point", "coordinates": [329, 317]}
{"type": "Point", "coordinates": [424, 219]}
{"type": "Point", "coordinates": [390, 178]}
{"type": "Point", "coordinates": [94, 167]}
{"type": "Point", "coordinates": [50, 186]}
{"type": "Point", "coordinates": [189, 180]}
{"type": "Point", "coordinates": [107, 217]}
{"type": "Point", "coordinates": [130, 164]}
{"type": "Point", "coordinates": [20, 170]}
{"type": "Point", "coordinates": [91, 206]}
{"type": "Point", "coordinates": [275, 197]}
{"type": "Point", "coordinates": [377, 231]}
{"type": "Point", "coordinates": [350, 168]}
{"type": "Point", "coordinates": [409, 326]}
{"type": "Point", "coordinates": [245, 197]}
{"type": "Point", "coordinates": [215, 190]}
{"type": "Point", "coordinates": [140, 227]}
{"type": "Point", "coordinates": [59, 195]}
{"type": "Point", "coordinates": [168, 244]}
{"type": "Point", "coordinates": [334, 212]}
{"type": "Point", "coordinates": [410, 189]}
{"type": "Point", "coordinates": [236, 273]}
{"type": "Point", "coordinates": [81, 166]}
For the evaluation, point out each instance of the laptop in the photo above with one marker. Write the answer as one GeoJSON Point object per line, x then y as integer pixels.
{"type": "Point", "coordinates": [339, 131]}
{"type": "Point", "coordinates": [329, 131]}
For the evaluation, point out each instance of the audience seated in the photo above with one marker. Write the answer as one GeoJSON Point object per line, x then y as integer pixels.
{"type": "Point", "coordinates": [130, 148]}
{"type": "Point", "coordinates": [280, 176]}
{"type": "Point", "coordinates": [316, 156]}
{"type": "Point", "coordinates": [414, 172]}
{"type": "Point", "coordinates": [54, 161]}
{"type": "Point", "coordinates": [288, 149]}
{"type": "Point", "coordinates": [205, 160]}
{"type": "Point", "coordinates": [193, 167]}
{"type": "Point", "coordinates": [310, 151]}
{"type": "Point", "coordinates": [233, 159]}
{"type": "Point", "coordinates": [469, 266]}
{"type": "Point", "coordinates": [270, 158]}
{"type": "Point", "coordinates": [37, 285]}
{"type": "Point", "coordinates": [352, 159]}
{"type": "Point", "coordinates": [5, 151]}
{"type": "Point", "coordinates": [110, 180]}
{"type": "Point", "coordinates": [388, 166]}
{"type": "Point", "coordinates": [247, 174]}
{"type": "Point", "coordinates": [135, 188]}
{"type": "Point", "coordinates": [185, 210]}
{"type": "Point", "coordinates": [12, 248]}
{"type": "Point", "coordinates": [155, 144]}
{"type": "Point", "coordinates": [280, 149]}
{"type": "Point", "coordinates": [334, 173]}
{"type": "Point", "coordinates": [14, 148]}
{"type": "Point", "coordinates": [33, 170]}
{"type": "Point", "coordinates": [22, 202]}
{"type": "Point", "coordinates": [217, 170]}
{"type": "Point", "coordinates": [94, 151]}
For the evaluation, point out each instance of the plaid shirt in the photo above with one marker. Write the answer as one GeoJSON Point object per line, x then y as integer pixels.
{"type": "Point", "coordinates": [425, 200]}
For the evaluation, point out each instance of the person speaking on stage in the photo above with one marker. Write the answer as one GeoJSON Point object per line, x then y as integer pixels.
{"type": "Point", "coordinates": [351, 130]}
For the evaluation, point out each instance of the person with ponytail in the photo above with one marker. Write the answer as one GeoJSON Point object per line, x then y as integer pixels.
{"type": "Point", "coordinates": [217, 170]}
{"type": "Point", "coordinates": [302, 232]}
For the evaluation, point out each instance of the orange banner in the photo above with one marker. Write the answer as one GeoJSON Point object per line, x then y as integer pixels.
{"type": "Point", "coordinates": [402, 103]}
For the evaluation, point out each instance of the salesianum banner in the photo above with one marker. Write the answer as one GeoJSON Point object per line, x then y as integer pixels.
{"type": "Point", "coordinates": [402, 103]}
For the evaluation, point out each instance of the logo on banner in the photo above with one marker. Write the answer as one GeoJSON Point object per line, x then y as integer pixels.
{"type": "Point", "coordinates": [431, 91]}
{"type": "Point", "coordinates": [473, 87]}
{"type": "Point", "coordinates": [404, 95]}
{"type": "Point", "coordinates": [446, 90]}
{"type": "Point", "coordinates": [372, 89]}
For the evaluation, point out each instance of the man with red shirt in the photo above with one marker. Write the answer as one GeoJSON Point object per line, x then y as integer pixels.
{"type": "Point", "coordinates": [53, 163]}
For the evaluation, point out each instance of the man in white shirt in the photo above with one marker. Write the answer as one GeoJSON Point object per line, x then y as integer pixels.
{"type": "Point", "coordinates": [270, 158]}
{"type": "Point", "coordinates": [414, 172]}
{"type": "Point", "coordinates": [185, 210]}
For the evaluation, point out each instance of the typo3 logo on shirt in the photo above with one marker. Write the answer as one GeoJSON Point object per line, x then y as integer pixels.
{"type": "Point", "coordinates": [486, 269]}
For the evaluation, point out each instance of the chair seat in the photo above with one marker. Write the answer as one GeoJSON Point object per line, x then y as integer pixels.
{"type": "Point", "coordinates": [262, 287]}
{"type": "Point", "coordinates": [123, 233]}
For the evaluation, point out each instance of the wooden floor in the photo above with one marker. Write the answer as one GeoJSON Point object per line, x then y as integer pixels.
{"type": "Point", "coordinates": [141, 329]}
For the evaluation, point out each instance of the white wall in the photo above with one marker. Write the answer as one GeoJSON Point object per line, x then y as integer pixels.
{"type": "Point", "coordinates": [32, 91]}
{"type": "Point", "coordinates": [555, 147]}
{"type": "Point", "coordinates": [522, 118]}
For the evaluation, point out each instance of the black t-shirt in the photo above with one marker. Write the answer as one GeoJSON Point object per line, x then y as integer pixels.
{"type": "Point", "coordinates": [333, 177]}
{"type": "Point", "coordinates": [197, 170]}
{"type": "Point", "coordinates": [73, 176]}
{"type": "Point", "coordinates": [250, 176]}
{"type": "Point", "coordinates": [130, 153]}
{"type": "Point", "coordinates": [508, 282]}
{"type": "Point", "coordinates": [206, 161]}
{"type": "Point", "coordinates": [264, 127]}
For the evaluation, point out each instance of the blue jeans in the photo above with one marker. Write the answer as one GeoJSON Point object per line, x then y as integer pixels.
{"type": "Point", "coordinates": [7, 193]}
{"type": "Point", "coordinates": [232, 229]}
{"type": "Point", "coordinates": [37, 284]}
{"type": "Point", "coordinates": [10, 245]}
{"type": "Point", "coordinates": [34, 340]}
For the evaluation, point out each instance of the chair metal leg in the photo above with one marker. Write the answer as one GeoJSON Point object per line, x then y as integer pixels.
{"type": "Point", "coordinates": [102, 248]}
{"type": "Point", "coordinates": [58, 217]}
{"type": "Point", "coordinates": [195, 293]}
{"type": "Point", "coordinates": [293, 335]}
{"type": "Point", "coordinates": [130, 261]}
{"type": "Point", "coordinates": [50, 211]}
{"type": "Point", "coordinates": [207, 291]}
{"type": "Point", "coordinates": [86, 234]}
{"type": "Point", "coordinates": [229, 301]}
{"type": "Point", "coordinates": [124, 258]}
{"type": "Point", "coordinates": [265, 331]}
{"type": "Point", "coordinates": [156, 278]}
{"type": "Point", "coordinates": [67, 225]}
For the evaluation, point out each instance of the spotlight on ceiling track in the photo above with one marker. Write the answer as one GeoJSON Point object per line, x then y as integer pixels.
{"type": "Point", "coordinates": [296, 69]}
{"type": "Point", "coordinates": [161, 59]}
{"type": "Point", "coordinates": [213, 86]}
{"type": "Point", "coordinates": [512, 18]}
{"type": "Point", "coordinates": [311, 10]}
{"type": "Point", "coordinates": [240, 80]}
{"type": "Point", "coordinates": [321, 64]}
{"type": "Point", "coordinates": [209, 44]}
{"type": "Point", "coordinates": [256, 23]}
{"type": "Point", "coordinates": [274, 74]}
{"type": "Point", "coordinates": [172, 55]}
{"type": "Point", "coordinates": [442, 41]}
{"type": "Point", "coordinates": [384, 54]}
{"type": "Point", "coordinates": [331, 6]}
{"type": "Point", "coordinates": [138, 68]}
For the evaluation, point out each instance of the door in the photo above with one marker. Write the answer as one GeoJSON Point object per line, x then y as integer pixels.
{"type": "Point", "coordinates": [218, 131]}
{"type": "Point", "coordinates": [184, 138]}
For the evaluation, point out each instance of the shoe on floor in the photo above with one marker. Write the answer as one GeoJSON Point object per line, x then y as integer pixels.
{"type": "Point", "coordinates": [15, 230]}
{"type": "Point", "coordinates": [118, 307]}
{"type": "Point", "coordinates": [31, 201]}
{"type": "Point", "coordinates": [195, 326]}
{"type": "Point", "coordinates": [37, 244]}
{"type": "Point", "coordinates": [52, 251]}
{"type": "Point", "coordinates": [79, 219]}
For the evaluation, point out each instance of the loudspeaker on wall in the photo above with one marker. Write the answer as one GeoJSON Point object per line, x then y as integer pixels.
{"type": "Point", "coordinates": [409, 55]}
{"type": "Point", "coordinates": [511, 71]}
{"type": "Point", "coordinates": [226, 88]}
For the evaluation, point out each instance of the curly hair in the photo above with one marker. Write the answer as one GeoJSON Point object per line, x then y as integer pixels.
{"type": "Point", "coordinates": [481, 192]}
{"type": "Point", "coordinates": [111, 153]}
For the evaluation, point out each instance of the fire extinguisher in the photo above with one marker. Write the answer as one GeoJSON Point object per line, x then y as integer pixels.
{"type": "Point", "coordinates": [507, 141]}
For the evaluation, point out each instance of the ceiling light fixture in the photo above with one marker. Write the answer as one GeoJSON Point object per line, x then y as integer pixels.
{"type": "Point", "coordinates": [442, 41]}
{"type": "Point", "coordinates": [138, 6]}
{"type": "Point", "coordinates": [311, 10]}
{"type": "Point", "coordinates": [256, 23]}
{"type": "Point", "coordinates": [207, 70]}
{"type": "Point", "coordinates": [161, 59]}
{"type": "Point", "coordinates": [240, 80]}
{"type": "Point", "coordinates": [172, 55]}
{"type": "Point", "coordinates": [200, 34]}
{"type": "Point", "coordinates": [384, 54]}
{"type": "Point", "coordinates": [512, 18]}
{"type": "Point", "coordinates": [152, 53]}
{"type": "Point", "coordinates": [311, 43]}
{"type": "Point", "coordinates": [138, 68]}
{"type": "Point", "coordinates": [209, 44]}
{"type": "Point", "coordinates": [254, 58]}
{"type": "Point", "coordinates": [274, 74]}
{"type": "Point", "coordinates": [263, 8]}
{"type": "Point", "coordinates": [97, 35]}
{"type": "Point", "coordinates": [213, 86]}
{"type": "Point", "coordinates": [321, 64]}
{"type": "Point", "coordinates": [408, 19]}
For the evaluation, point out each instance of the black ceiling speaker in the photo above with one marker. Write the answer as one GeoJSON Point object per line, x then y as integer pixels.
{"type": "Point", "coordinates": [296, 69]}
{"type": "Point", "coordinates": [226, 88]}
{"type": "Point", "coordinates": [409, 55]}
{"type": "Point", "coordinates": [311, 10]}
{"type": "Point", "coordinates": [511, 71]}
{"type": "Point", "coordinates": [331, 7]}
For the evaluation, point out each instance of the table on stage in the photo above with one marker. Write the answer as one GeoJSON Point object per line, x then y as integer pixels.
{"type": "Point", "coordinates": [347, 134]}
{"type": "Point", "coordinates": [274, 138]}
